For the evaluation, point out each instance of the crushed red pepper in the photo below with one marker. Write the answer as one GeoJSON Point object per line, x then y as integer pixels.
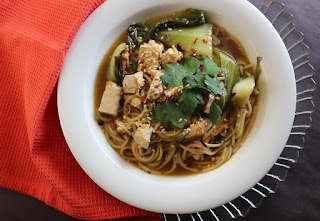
{"type": "Point", "coordinates": [202, 66]}
{"type": "Point", "coordinates": [195, 41]}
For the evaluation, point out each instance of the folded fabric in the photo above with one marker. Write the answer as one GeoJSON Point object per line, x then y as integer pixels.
{"type": "Point", "coordinates": [34, 156]}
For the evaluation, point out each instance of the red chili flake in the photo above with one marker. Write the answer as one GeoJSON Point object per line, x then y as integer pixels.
{"type": "Point", "coordinates": [193, 50]}
{"type": "Point", "coordinates": [159, 58]}
{"type": "Point", "coordinates": [195, 41]}
{"type": "Point", "coordinates": [200, 57]}
{"type": "Point", "coordinates": [178, 46]}
{"type": "Point", "coordinates": [233, 94]}
{"type": "Point", "coordinates": [205, 41]}
{"type": "Point", "coordinates": [170, 20]}
{"type": "Point", "coordinates": [160, 108]}
{"type": "Point", "coordinates": [202, 66]}
{"type": "Point", "coordinates": [149, 172]}
{"type": "Point", "coordinates": [167, 38]}
{"type": "Point", "coordinates": [221, 74]}
{"type": "Point", "coordinates": [163, 87]}
{"type": "Point", "coordinates": [169, 98]}
{"type": "Point", "coordinates": [148, 35]}
{"type": "Point", "coordinates": [156, 86]}
{"type": "Point", "coordinates": [143, 98]}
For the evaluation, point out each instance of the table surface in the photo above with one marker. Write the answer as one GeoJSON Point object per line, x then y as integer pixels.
{"type": "Point", "coordinates": [298, 198]}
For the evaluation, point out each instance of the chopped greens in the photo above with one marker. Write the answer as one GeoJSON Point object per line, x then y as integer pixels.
{"type": "Point", "coordinates": [189, 72]}
{"type": "Point", "coordinates": [190, 99]}
{"type": "Point", "coordinates": [168, 113]}
{"type": "Point", "coordinates": [197, 75]}
{"type": "Point", "coordinates": [140, 33]}
{"type": "Point", "coordinates": [118, 72]}
{"type": "Point", "coordinates": [173, 75]}
{"type": "Point", "coordinates": [215, 113]}
{"type": "Point", "coordinates": [213, 85]}
{"type": "Point", "coordinates": [231, 73]}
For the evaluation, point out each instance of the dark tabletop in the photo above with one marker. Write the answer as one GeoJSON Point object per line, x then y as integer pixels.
{"type": "Point", "coordinates": [298, 198]}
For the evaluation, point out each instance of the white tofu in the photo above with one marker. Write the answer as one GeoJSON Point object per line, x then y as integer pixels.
{"type": "Point", "coordinates": [208, 104]}
{"type": "Point", "coordinates": [150, 55]}
{"type": "Point", "coordinates": [142, 135]}
{"type": "Point", "coordinates": [172, 55]}
{"type": "Point", "coordinates": [132, 83]}
{"type": "Point", "coordinates": [121, 126]}
{"type": "Point", "coordinates": [156, 88]}
{"type": "Point", "coordinates": [198, 129]}
{"type": "Point", "coordinates": [174, 92]}
{"type": "Point", "coordinates": [135, 102]}
{"type": "Point", "coordinates": [110, 101]}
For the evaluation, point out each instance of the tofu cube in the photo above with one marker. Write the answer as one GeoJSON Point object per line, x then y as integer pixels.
{"type": "Point", "coordinates": [142, 135]}
{"type": "Point", "coordinates": [132, 83]}
{"type": "Point", "coordinates": [135, 102]}
{"type": "Point", "coordinates": [172, 55]}
{"type": "Point", "coordinates": [156, 87]}
{"type": "Point", "coordinates": [174, 92]}
{"type": "Point", "coordinates": [110, 100]}
{"type": "Point", "coordinates": [150, 55]}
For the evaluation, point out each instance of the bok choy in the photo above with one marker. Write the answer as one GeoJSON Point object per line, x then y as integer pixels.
{"type": "Point", "coordinates": [194, 40]}
{"type": "Point", "coordinates": [231, 74]}
{"type": "Point", "coordinates": [140, 33]}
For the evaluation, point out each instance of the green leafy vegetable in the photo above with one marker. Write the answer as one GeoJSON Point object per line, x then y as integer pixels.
{"type": "Point", "coordinates": [213, 85]}
{"type": "Point", "coordinates": [258, 68]}
{"type": "Point", "coordinates": [168, 113]}
{"type": "Point", "coordinates": [231, 73]}
{"type": "Point", "coordinates": [173, 75]}
{"type": "Point", "coordinates": [215, 113]}
{"type": "Point", "coordinates": [140, 33]}
{"type": "Point", "coordinates": [193, 40]}
{"type": "Point", "coordinates": [190, 99]}
{"type": "Point", "coordinates": [118, 72]}
{"type": "Point", "coordinates": [190, 72]}
{"type": "Point", "coordinates": [202, 65]}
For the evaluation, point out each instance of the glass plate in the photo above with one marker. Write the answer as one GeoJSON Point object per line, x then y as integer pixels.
{"type": "Point", "coordinates": [299, 53]}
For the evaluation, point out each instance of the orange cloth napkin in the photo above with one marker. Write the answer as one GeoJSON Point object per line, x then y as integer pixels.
{"type": "Point", "coordinates": [34, 156]}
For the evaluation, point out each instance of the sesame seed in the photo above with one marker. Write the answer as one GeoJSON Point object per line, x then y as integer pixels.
{"type": "Point", "coordinates": [169, 29]}
{"type": "Point", "coordinates": [187, 22]}
{"type": "Point", "coordinates": [180, 120]}
{"type": "Point", "coordinates": [180, 30]}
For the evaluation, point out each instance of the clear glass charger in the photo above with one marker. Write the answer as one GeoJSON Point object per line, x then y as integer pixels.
{"type": "Point", "coordinates": [299, 54]}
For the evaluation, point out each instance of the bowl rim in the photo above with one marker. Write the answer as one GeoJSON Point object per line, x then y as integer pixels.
{"type": "Point", "coordinates": [128, 183]}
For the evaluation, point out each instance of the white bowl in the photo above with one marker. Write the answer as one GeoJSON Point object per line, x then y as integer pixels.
{"type": "Point", "coordinates": [188, 194]}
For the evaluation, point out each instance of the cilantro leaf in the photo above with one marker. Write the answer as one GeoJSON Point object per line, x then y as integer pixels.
{"type": "Point", "coordinates": [213, 85]}
{"type": "Point", "coordinates": [168, 113]}
{"type": "Point", "coordinates": [195, 81]}
{"type": "Point", "coordinates": [190, 99]}
{"type": "Point", "coordinates": [215, 113]}
{"type": "Point", "coordinates": [173, 75]}
{"type": "Point", "coordinates": [209, 67]}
